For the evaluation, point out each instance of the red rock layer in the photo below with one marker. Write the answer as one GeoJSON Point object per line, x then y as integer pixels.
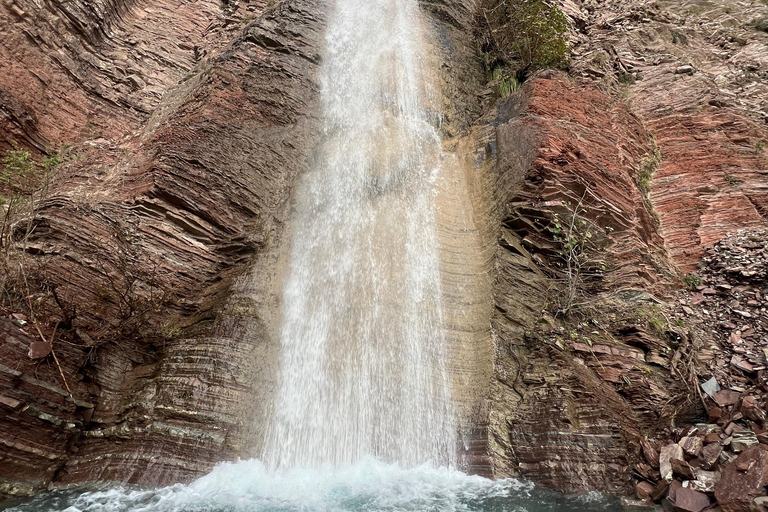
{"type": "Point", "coordinates": [72, 71]}
{"type": "Point", "coordinates": [135, 248]}
{"type": "Point", "coordinates": [566, 413]}
{"type": "Point", "coordinates": [694, 73]}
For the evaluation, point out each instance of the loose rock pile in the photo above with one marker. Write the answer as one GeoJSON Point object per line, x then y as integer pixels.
{"type": "Point", "coordinates": [724, 461]}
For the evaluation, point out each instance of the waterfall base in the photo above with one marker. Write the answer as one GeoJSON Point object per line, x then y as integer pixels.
{"type": "Point", "coordinates": [368, 485]}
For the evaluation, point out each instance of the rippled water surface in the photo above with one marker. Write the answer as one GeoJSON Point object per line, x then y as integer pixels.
{"type": "Point", "coordinates": [368, 485]}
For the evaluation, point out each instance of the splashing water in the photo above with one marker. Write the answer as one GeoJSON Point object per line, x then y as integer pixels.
{"type": "Point", "coordinates": [363, 348]}
{"type": "Point", "coordinates": [366, 486]}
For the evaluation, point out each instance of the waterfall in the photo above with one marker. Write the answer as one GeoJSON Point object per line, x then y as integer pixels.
{"type": "Point", "coordinates": [363, 348]}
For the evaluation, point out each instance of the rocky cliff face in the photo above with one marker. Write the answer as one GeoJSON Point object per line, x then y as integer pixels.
{"type": "Point", "coordinates": [187, 125]}
{"type": "Point", "coordinates": [137, 242]}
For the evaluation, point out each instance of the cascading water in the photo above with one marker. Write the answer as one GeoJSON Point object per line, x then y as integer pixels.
{"type": "Point", "coordinates": [364, 358]}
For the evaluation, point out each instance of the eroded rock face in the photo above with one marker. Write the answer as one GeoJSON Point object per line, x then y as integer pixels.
{"type": "Point", "coordinates": [698, 81]}
{"type": "Point", "coordinates": [190, 125]}
{"type": "Point", "coordinates": [140, 239]}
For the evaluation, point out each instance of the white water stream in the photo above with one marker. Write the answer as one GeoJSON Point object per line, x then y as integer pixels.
{"type": "Point", "coordinates": [363, 348]}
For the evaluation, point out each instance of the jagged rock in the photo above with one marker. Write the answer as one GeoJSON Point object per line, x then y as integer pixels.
{"type": "Point", "coordinates": [682, 469]}
{"type": "Point", "coordinates": [743, 440]}
{"type": "Point", "coordinates": [726, 397]}
{"type": "Point", "coordinates": [660, 490]}
{"type": "Point", "coordinates": [643, 490]}
{"type": "Point", "coordinates": [712, 437]}
{"type": "Point", "coordinates": [710, 454]}
{"type": "Point", "coordinates": [692, 445]}
{"type": "Point", "coordinates": [710, 387]}
{"type": "Point", "coordinates": [736, 489]}
{"type": "Point", "coordinates": [751, 410]}
{"type": "Point", "coordinates": [690, 500]}
{"type": "Point", "coordinates": [650, 453]}
{"type": "Point", "coordinates": [666, 456]}
{"type": "Point", "coordinates": [741, 364]}
{"type": "Point", "coordinates": [705, 481]}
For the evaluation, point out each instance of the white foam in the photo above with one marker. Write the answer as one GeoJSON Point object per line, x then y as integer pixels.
{"type": "Point", "coordinates": [369, 485]}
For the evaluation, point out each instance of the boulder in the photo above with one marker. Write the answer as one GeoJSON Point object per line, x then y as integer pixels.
{"type": "Point", "coordinates": [736, 489]}
{"type": "Point", "coordinates": [692, 445]}
{"type": "Point", "coordinates": [667, 454]}
{"type": "Point", "coordinates": [709, 455]}
{"type": "Point", "coordinates": [690, 500]}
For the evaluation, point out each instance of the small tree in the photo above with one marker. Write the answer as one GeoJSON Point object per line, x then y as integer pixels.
{"type": "Point", "coordinates": [525, 34]}
{"type": "Point", "coordinates": [581, 254]}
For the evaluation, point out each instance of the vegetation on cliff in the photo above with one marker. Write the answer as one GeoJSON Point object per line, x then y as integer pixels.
{"type": "Point", "coordinates": [522, 36]}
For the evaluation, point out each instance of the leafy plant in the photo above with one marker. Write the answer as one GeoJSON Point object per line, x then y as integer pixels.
{"type": "Point", "coordinates": [507, 84]}
{"type": "Point", "coordinates": [23, 184]}
{"type": "Point", "coordinates": [525, 34]}
{"type": "Point", "coordinates": [691, 281]}
{"type": "Point", "coordinates": [16, 163]}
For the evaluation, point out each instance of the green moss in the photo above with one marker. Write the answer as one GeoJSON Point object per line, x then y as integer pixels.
{"type": "Point", "coordinates": [679, 38]}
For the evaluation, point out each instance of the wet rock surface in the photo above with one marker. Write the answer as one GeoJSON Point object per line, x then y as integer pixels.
{"type": "Point", "coordinates": [187, 141]}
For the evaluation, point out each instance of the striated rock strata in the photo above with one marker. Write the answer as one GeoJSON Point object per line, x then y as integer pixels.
{"type": "Point", "coordinates": [151, 265]}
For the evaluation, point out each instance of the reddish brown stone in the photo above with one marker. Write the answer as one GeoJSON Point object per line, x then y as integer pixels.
{"type": "Point", "coordinates": [752, 410]}
{"type": "Point", "coordinates": [712, 437]}
{"type": "Point", "coordinates": [688, 500]}
{"type": "Point", "coordinates": [692, 445]}
{"type": "Point", "coordinates": [682, 469]}
{"type": "Point", "coordinates": [650, 453]}
{"type": "Point", "coordinates": [660, 490]}
{"type": "Point", "coordinates": [726, 397]}
{"type": "Point", "coordinates": [709, 455]}
{"type": "Point", "coordinates": [737, 489]}
{"type": "Point", "coordinates": [39, 349]}
{"type": "Point", "coordinates": [643, 490]}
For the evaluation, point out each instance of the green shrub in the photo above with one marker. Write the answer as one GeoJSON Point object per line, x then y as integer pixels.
{"type": "Point", "coordinates": [691, 281]}
{"type": "Point", "coordinates": [16, 163]}
{"type": "Point", "coordinates": [525, 34]}
{"type": "Point", "coordinates": [507, 84]}
{"type": "Point", "coordinates": [761, 24]}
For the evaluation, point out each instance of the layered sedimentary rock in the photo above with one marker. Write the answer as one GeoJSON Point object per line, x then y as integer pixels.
{"type": "Point", "coordinates": [136, 245]}
{"type": "Point", "coordinates": [154, 261]}
{"type": "Point", "coordinates": [695, 74]}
